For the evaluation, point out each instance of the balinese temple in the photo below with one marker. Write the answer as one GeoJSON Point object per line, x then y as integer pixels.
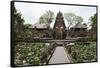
{"type": "Point", "coordinates": [59, 27]}
{"type": "Point", "coordinates": [79, 30]}
{"type": "Point", "coordinates": [40, 30]}
{"type": "Point", "coordinates": [59, 30]}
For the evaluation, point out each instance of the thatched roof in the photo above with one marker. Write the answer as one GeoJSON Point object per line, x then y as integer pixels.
{"type": "Point", "coordinates": [80, 25]}
{"type": "Point", "coordinates": [39, 25]}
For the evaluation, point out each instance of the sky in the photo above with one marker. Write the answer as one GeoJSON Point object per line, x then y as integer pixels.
{"type": "Point", "coordinates": [32, 11]}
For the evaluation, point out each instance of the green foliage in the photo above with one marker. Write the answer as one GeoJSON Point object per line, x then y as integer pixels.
{"type": "Point", "coordinates": [93, 20]}
{"type": "Point", "coordinates": [93, 24]}
{"type": "Point", "coordinates": [32, 53]}
{"type": "Point", "coordinates": [93, 37]}
{"type": "Point", "coordinates": [72, 19]}
{"type": "Point", "coordinates": [47, 17]}
{"type": "Point", "coordinates": [79, 19]}
{"type": "Point", "coordinates": [27, 31]}
{"type": "Point", "coordinates": [21, 29]}
{"type": "Point", "coordinates": [83, 53]}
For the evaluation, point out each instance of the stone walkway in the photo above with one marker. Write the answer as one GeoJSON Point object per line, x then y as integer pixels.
{"type": "Point", "coordinates": [59, 56]}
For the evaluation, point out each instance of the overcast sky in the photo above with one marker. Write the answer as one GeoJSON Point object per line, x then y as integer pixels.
{"type": "Point", "coordinates": [32, 11]}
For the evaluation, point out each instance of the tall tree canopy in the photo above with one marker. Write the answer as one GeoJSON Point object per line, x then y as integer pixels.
{"type": "Point", "coordinates": [47, 17]}
{"type": "Point", "coordinates": [21, 29]}
{"type": "Point", "coordinates": [93, 24]}
{"type": "Point", "coordinates": [79, 19]}
{"type": "Point", "coordinates": [93, 20]}
{"type": "Point", "coordinates": [18, 23]}
{"type": "Point", "coordinates": [72, 19]}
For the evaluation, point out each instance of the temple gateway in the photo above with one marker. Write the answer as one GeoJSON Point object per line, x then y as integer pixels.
{"type": "Point", "coordinates": [59, 27]}
{"type": "Point", "coordinates": [59, 30]}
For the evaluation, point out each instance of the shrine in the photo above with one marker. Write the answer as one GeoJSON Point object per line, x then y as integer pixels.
{"type": "Point", "coordinates": [59, 27]}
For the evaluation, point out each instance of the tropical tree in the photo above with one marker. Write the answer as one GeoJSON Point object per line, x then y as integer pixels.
{"type": "Point", "coordinates": [27, 31]}
{"type": "Point", "coordinates": [93, 24]}
{"type": "Point", "coordinates": [18, 21]}
{"type": "Point", "coordinates": [79, 19]}
{"type": "Point", "coordinates": [47, 17]}
{"type": "Point", "coordinates": [72, 19]}
{"type": "Point", "coordinates": [21, 29]}
{"type": "Point", "coordinates": [93, 20]}
{"type": "Point", "coordinates": [41, 20]}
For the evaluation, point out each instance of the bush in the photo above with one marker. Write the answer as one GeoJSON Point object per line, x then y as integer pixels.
{"type": "Point", "coordinates": [83, 53]}
{"type": "Point", "coordinates": [32, 53]}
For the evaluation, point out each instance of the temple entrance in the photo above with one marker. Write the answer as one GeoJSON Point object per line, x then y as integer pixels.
{"type": "Point", "coordinates": [59, 26]}
{"type": "Point", "coordinates": [59, 33]}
